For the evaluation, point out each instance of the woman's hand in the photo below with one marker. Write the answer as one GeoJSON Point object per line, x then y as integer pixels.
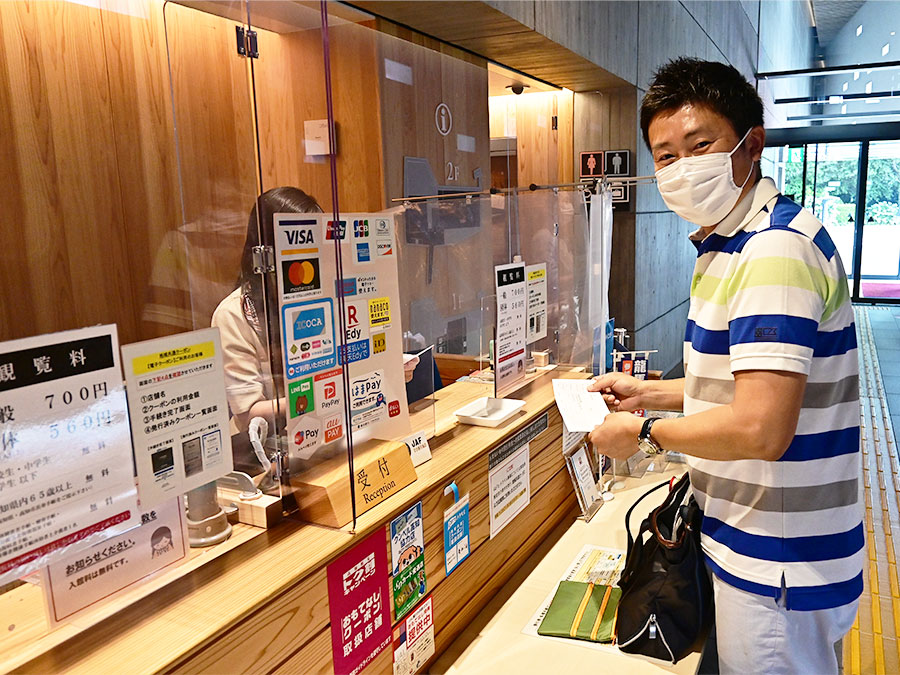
{"type": "Point", "coordinates": [620, 391]}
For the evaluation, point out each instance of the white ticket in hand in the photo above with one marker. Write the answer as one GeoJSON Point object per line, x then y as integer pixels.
{"type": "Point", "coordinates": [581, 409]}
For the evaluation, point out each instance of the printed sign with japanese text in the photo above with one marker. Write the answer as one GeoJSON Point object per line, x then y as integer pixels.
{"type": "Point", "coordinates": [509, 344]}
{"type": "Point", "coordinates": [456, 534]}
{"type": "Point", "coordinates": [179, 413]}
{"type": "Point", "coordinates": [509, 486]}
{"type": "Point", "coordinates": [407, 559]}
{"type": "Point", "coordinates": [66, 474]}
{"type": "Point", "coordinates": [102, 571]}
{"type": "Point", "coordinates": [414, 640]}
{"type": "Point", "coordinates": [358, 604]}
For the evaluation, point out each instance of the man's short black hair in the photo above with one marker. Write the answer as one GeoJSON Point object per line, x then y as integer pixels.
{"type": "Point", "coordinates": [717, 86]}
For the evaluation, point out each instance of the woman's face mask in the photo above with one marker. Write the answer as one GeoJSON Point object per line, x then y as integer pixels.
{"type": "Point", "coordinates": [701, 188]}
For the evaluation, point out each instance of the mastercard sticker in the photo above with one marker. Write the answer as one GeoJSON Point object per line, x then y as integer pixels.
{"type": "Point", "coordinates": [300, 278]}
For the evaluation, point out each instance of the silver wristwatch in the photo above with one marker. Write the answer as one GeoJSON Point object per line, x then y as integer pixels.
{"type": "Point", "coordinates": [645, 441]}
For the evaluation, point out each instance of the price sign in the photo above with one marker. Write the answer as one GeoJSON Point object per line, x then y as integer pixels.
{"type": "Point", "coordinates": [66, 474]}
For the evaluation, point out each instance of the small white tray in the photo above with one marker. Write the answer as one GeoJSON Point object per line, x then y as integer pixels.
{"type": "Point", "coordinates": [489, 412]}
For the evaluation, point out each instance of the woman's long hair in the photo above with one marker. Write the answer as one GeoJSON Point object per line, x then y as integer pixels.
{"type": "Point", "coordinates": [260, 291]}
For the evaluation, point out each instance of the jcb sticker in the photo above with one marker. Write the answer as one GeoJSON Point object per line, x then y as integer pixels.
{"type": "Point", "coordinates": [379, 343]}
{"type": "Point", "coordinates": [380, 312]}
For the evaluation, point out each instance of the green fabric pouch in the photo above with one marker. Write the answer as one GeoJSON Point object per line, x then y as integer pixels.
{"type": "Point", "coordinates": [582, 611]}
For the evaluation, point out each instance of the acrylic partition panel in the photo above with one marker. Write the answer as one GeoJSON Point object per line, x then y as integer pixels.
{"type": "Point", "coordinates": [227, 227]}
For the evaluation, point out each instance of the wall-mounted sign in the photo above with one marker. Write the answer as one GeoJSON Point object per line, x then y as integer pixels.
{"type": "Point", "coordinates": [618, 162]}
{"type": "Point", "coordinates": [359, 604]}
{"type": "Point", "coordinates": [592, 164]}
{"type": "Point", "coordinates": [536, 276]}
{"type": "Point", "coordinates": [66, 475]}
{"type": "Point", "coordinates": [407, 559]}
{"type": "Point", "coordinates": [443, 119]}
{"type": "Point", "coordinates": [179, 413]}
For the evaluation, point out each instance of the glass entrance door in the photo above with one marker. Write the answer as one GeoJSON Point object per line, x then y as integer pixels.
{"type": "Point", "coordinates": [880, 269]}
{"type": "Point", "coordinates": [854, 189]}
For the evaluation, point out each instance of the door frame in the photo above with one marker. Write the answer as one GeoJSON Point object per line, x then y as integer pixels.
{"type": "Point", "coordinates": [844, 133]}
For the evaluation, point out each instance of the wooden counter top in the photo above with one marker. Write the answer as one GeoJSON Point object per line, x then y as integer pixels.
{"type": "Point", "coordinates": [184, 617]}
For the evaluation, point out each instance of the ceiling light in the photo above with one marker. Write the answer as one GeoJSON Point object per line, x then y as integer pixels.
{"type": "Point", "coordinates": [856, 75]}
{"type": "Point", "coordinates": [834, 100]}
{"type": "Point", "coordinates": [859, 30]}
{"type": "Point", "coordinates": [873, 100]}
{"type": "Point", "coordinates": [886, 49]}
{"type": "Point", "coordinates": [844, 88]}
{"type": "Point", "coordinates": [844, 109]}
{"type": "Point", "coordinates": [869, 87]}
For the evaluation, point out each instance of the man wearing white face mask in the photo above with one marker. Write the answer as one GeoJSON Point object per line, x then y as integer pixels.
{"type": "Point", "coordinates": [771, 386]}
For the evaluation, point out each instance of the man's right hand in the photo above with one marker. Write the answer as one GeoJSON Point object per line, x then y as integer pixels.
{"type": "Point", "coordinates": [620, 391]}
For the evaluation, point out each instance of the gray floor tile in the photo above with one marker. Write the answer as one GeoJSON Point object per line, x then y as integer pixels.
{"type": "Point", "coordinates": [891, 383]}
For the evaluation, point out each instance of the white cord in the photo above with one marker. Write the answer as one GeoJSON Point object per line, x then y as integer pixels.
{"type": "Point", "coordinates": [258, 431]}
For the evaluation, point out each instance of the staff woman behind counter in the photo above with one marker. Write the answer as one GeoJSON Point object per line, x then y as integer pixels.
{"type": "Point", "coordinates": [250, 384]}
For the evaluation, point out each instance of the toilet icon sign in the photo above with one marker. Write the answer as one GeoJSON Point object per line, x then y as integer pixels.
{"type": "Point", "coordinates": [592, 164]}
{"type": "Point", "coordinates": [618, 162]}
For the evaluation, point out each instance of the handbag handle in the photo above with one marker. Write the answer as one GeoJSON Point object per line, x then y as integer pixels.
{"type": "Point", "coordinates": [639, 500]}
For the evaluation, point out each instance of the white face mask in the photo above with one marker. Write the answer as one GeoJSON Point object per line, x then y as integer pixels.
{"type": "Point", "coordinates": [701, 188]}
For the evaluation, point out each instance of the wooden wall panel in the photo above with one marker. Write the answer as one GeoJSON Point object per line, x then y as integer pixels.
{"type": "Point", "coordinates": [136, 62]}
{"type": "Point", "coordinates": [217, 150]}
{"type": "Point", "coordinates": [72, 253]}
{"type": "Point", "coordinates": [290, 87]}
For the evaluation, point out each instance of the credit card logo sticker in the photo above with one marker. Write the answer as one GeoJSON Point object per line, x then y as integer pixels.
{"type": "Point", "coordinates": [335, 230]}
{"type": "Point", "coordinates": [300, 277]}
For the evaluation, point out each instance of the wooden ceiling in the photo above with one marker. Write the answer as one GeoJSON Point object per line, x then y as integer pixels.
{"type": "Point", "coordinates": [481, 29]}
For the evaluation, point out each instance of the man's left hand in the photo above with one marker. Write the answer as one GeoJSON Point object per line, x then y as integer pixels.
{"type": "Point", "coordinates": [617, 437]}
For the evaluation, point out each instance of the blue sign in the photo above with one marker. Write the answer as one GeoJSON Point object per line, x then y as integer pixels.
{"type": "Point", "coordinates": [354, 351]}
{"type": "Point", "coordinates": [309, 323]}
{"type": "Point", "coordinates": [349, 286]}
{"type": "Point", "coordinates": [456, 534]}
{"type": "Point", "coordinates": [362, 252]}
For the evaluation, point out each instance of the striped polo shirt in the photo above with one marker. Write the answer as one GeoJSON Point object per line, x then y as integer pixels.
{"type": "Point", "coordinates": [769, 292]}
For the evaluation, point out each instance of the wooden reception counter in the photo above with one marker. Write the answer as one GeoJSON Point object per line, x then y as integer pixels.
{"type": "Point", "coordinates": [263, 606]}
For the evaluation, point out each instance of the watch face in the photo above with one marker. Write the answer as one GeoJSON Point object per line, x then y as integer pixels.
{"type": "Point", "coordinates": [648, 446]}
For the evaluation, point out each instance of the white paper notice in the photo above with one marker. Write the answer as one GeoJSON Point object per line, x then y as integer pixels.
{"type": "Point", "coordinates": [509, 345]}
{"type": "Point", "coordinates": [536, 279]}
{"type": "Point", "coordinates": [102, 571]}
{"type": "Point", "coordinates": [581, 409]}
{"type": "Point", "coordinates": [585, 476]}
{"type": "Point", "coordinates": [509, 488]}
{"type": "Point", "coordinates": [419, 451]}
{"type": "Point", "coordinates": [179, 415]}
{"type": "Point", "coordinates": [414, 639]}
{"type": "Point", "coordinates": [66, 475]}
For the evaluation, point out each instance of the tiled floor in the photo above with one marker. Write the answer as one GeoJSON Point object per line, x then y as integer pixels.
{"type": "Point", "coordinates": [872, 645]}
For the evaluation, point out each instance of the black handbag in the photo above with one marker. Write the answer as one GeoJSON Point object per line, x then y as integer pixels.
{"type": "Point", "coordinates": [666, 603]}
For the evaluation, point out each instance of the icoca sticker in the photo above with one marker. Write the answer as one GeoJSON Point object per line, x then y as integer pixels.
{"type": "Point", "coordinates": [306, 437]}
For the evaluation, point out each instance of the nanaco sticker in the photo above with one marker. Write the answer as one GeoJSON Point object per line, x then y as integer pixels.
{"type": "Point", "coordinates": [380, 312]}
